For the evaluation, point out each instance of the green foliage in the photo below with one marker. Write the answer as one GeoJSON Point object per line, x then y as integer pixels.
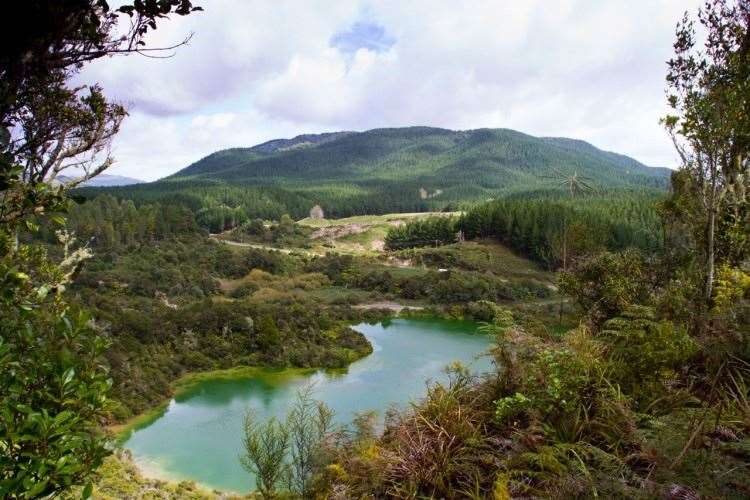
{"type": "Point", "coordinates": [54, 387]}
{"type": "Point", "coordinates": [448, 287]}
{"type": "Point", "coordinates": [162, 305]}
{"type": "Point", "coordinates": [645, 353]}
{"type": "Point", "coordinates": [53, 401]}
{"type": "Point", "coordinates": [266, 447]}
{"type": "Point", "coordinates": [554, 230]}
{"type": "Point", "coordinates": [109, 225]}
{"type": "Point", "coordinates": [291, 453]}
{"type": "Point", "coordinates": [412, 169]}
{"type": "Point", "coordinates": [220, 218]}
{"type": "Point", "coordinates": [605, 284]}
{"type": "Point", "coordinates": [510, 406]}
{"type": "Point", "coordinates": [268, 333]}
{"type": "Point", "coordinates": [437, 449]}
{"type": "Point", "coordinates": [285, 233]}
{"type": "Point", "coordinates": [309, 424]}
{"type": "Point", "coordinates": [709, 97]}
{"type": "Point", "coordinates": [425, 232]}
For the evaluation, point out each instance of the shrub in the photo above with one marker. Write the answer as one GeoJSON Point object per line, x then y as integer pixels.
{"type": "Point", "coordinates": [644, 353]}
{"type": "Point", "coordinates": [605, 284]}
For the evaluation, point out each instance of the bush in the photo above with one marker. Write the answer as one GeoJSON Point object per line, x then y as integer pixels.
{"type": "Point", "coordinates": [244, 290]}
{"type": "Point", "coordinates": [645, 353]}
{"type": "Point", "coordinates": [605, 284]}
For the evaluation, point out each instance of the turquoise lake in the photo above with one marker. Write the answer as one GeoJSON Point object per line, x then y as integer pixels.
{"type": "Point", "coordinates": [199, 436]}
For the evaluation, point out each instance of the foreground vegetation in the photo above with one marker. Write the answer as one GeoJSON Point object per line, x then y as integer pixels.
{"type": "Point", "coordinates": [118, 478]}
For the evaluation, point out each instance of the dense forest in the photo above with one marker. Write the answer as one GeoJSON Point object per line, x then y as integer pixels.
{"type": "Point", "coordinates": [550, 228]}
{"type": "Point", "coordinates": [152, 286]}
{"type": "Point", "coordinates": [412, 169]}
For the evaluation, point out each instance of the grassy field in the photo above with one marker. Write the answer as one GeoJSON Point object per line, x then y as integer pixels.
{"type": "Point", "coordinates": [364, 234]}
{"type": "Point", "coordinates": [371, 220]}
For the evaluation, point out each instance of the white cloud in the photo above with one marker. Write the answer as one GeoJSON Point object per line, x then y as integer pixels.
{"type": "Point", "coordinates": [261, 69]}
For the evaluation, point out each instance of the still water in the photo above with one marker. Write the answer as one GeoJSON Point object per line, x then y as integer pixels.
{"type": "Point", "coordinates": [200, 434]}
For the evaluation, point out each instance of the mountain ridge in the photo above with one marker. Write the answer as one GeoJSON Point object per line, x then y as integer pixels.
{"type": "Point", "coordinates": [407, 169]}
{"type": "Point", "coordinates": [311, 141]}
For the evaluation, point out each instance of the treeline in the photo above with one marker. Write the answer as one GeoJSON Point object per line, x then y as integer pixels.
{"type": "Point", "coordinates": [551, 230]}
{"type": "Point", "coordinates": [219, 207]}
{"type": "Point", "coordinates": [106, 223]}
{"type": "Point", "coordinates": [411, 169]}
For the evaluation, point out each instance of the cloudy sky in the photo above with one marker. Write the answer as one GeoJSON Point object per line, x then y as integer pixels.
{"type": "Point", "coordinates": [262, 69]}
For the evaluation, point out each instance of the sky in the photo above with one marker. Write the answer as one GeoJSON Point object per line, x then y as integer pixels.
{"type": "Point", "coordinates": [257, 70]}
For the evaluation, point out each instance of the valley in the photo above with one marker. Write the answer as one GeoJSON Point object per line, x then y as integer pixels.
{"type": "Point", "coordinates": [216, 312]}
{"type": "Point", "coordinates": [209, 321]}
{"type": "Point", "coordinates": [364, 309]}
{"type": "Point", "coordinates": [193, 314]}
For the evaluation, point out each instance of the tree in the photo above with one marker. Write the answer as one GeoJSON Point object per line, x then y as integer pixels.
{"type": "Point", "coordinates": [268, 333]}
{"type": "Point", "coordinates": [286, 225]}
{"type": "Point", "coordinates": [255, 227]}
{"type": "Point", "coordinates": [46, 126]}
{"type": "Point", "coordinates": [562, 241]}
{"type": "Point", "coordinates": [309, 423]}
{"type": "Point", "coordinates": [53, 388]}
{"type": "Point", "coordinates": [293, 451]}
{"type": "Point", "coordinates": [709, 93]}
{"type": "Point", "coordinates": [605, 284]}
{"type": "Point", "coordinates": [266, 447]}
{"type": "Point", "coordinates": [53, 392]}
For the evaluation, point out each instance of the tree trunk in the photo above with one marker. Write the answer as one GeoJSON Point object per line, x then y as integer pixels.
{"type": "Point", "coordinates": [710, 254]}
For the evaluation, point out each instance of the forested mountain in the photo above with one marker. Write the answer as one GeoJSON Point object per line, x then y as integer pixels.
{"type": "Point", "coordinates": [388, 170]}
{"type": "Point", "coordinates": [434, 158]}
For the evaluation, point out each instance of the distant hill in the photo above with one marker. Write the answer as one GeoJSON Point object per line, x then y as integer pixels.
{"type": "Point", "coordinates": [391, 170]}
{"type": "Point", "coordinates": [107, 180]}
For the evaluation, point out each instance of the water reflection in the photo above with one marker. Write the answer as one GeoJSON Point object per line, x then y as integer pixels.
{"type": "Point", "coordinates": [199, 435]}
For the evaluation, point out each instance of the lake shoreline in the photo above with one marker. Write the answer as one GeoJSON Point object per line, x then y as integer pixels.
{"type": "Point", "coordinates": [157, 437]}
{"type": "Point", "coordinates": [185, 383]}
{"type": "Point", "coordinates": [181, 387]}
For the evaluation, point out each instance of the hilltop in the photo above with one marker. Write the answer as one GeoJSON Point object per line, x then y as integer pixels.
{"type": "Point", "coordinates": [389, 170]}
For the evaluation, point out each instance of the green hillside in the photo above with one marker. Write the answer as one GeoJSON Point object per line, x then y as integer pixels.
{"type": "Point", "coordinates": [387, 170]}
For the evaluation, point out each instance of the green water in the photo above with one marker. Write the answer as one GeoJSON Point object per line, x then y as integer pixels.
{"type": "Point", "coordinates": [199, 435]}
